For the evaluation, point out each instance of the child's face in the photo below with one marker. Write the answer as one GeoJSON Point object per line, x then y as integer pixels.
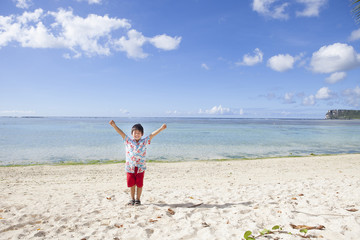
{"type": "Point", "coordinates": [136, 135]}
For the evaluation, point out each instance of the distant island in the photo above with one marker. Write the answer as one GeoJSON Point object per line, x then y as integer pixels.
{"type": "Point", "coordinates": [343, 114]}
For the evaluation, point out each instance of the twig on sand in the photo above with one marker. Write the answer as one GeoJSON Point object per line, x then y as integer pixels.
{"type": "Point", "coordinates": [196, 205]}
{"type": "Point", "coordinates": [319, 227]}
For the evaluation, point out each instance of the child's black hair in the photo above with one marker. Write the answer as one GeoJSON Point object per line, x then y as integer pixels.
{"type": "Point", "coordinates": [137, 127]}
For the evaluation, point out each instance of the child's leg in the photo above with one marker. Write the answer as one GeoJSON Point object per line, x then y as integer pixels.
{"type": "Point", "coordinates": [131, 183]}
{"type": "Point", "coordinates": [132, 192]}
{"type": "Point", "coordinates": [138, 193]}
{"type": "Point", "coordinates": [139, 184]}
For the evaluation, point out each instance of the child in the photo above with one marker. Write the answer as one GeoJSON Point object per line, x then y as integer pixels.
{"type": "Point", "coordinates": [135, 158]}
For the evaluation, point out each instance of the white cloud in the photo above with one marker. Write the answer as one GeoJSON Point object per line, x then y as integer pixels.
{"type": "Point", "coordinates": [204, 66]}
{"type": "Point", "coordinates": [281, 62]}
{"type": "Point", "coordinates": [39, 37]}
{"type": "Point", "coordinates": [28, 17]}
{"type": "Point", "coordinates": [172, 112]}
{"type": "Point", "coordinates": [270, 96]}
{"type": "Point", "coordinates": [269, 9]}
{"type": "Point", "coordinates": [7, 30]}
{"type": "Point", "coordinates": [289, 98]}
{"type": "Point", "coordinates": [353, 96]}
{"type": "Point", "coordinates": [277, 9]}
{"type": "Point", "coordinates": [72, 32]}
{"type": "Point", "coordinates": [86, 34]}
{"type": "Point", "coordinates": [26, 29]}
{"type": "Point", "coordinates": [323, 93]}
{"type": "Point", "coordinates": [165, 42]}
{"type": "Point", "coordinates": [334, 58]}
{"type": "Point", "coordinates": [336, 77]}
{"type": "Point", "coordinates": [219, 110]}
{"type": "Point", "coordinates": [355, 35]}
{"type": "Point", "coordinates": [16, 112]}
{"type": "Point", "coordinates": [309, 101]}
{"type": "Point", "coordinates": [91, 35]}
{"type": "Point", "coordinates": [23, 3]}
{"type": "Point", "coordinates": [135, 41]}
{"type": "Point", "coordinates": [132, 45]}
{"type": "Point", "coordinates": [249, 60]}
{"type": "Point", "coordinates": [66, 56]}
{"type": "Point", "coordinates": [124, 111]}
{"type": "Point", "coordinates": [312, 8]}
{"type": "Point", "coordinates": [91, 1]}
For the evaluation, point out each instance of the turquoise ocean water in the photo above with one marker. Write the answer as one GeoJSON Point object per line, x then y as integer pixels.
{"type": "Point", "coordinates": [57, 139]}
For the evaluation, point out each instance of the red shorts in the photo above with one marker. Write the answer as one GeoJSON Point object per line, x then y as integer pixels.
{"type": "Point", "coordinates": [135, 179]}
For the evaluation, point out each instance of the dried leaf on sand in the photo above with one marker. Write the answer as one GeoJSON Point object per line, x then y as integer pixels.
{"type": "Point", "coordinates": [171, 211]}
{"type": "Point", "coordinates": [319, 227]}
{"type": "Point", "coordinates": [205, 224]}
{"type": "Point", "coordinates": [352, 210]}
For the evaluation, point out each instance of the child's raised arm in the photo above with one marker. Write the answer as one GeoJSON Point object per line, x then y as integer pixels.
{"type": "Point", "coordinates": [112, 123]}
{"type": "Point", "coordinates": [158, 131]}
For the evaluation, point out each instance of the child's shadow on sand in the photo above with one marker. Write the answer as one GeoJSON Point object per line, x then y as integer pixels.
{"type": "Point", "coordinates": [202, 205]}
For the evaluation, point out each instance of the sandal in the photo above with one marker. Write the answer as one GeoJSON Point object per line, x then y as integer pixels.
{"type": "Point", "coordinates": [137, 202]}
{"type": "Point", "coordinates": [131, 202]}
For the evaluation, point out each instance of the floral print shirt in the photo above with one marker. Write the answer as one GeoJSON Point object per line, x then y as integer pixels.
{"type": "Point", "coordinates": [135, 154]}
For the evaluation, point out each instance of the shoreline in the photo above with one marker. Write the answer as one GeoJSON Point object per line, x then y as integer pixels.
{"type": "Point", "coordinates": [105, 162]}
{"type": "Point", "coordinates": [184, 200]}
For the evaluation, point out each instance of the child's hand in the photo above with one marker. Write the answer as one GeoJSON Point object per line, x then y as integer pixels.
{"type": "Point", "coordinates": [112, 123]}
{"type": "Point", "coordinates": [157, 131]}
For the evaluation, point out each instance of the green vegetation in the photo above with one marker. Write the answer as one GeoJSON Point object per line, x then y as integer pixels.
{"type": "Point", "coordinates": [91, 162]}
{"type": "Point", "coordinates": [65, 163]}
{"type": "Point", "coordinates": [94, 162]}
{"type": "Point", "coordinates": [356, 10]}
{"type": "Point", "coordinates": [277, 229]}
{"type": "Point", "coordinates": [343, 114]}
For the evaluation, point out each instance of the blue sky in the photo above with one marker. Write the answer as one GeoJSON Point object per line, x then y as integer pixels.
{"type": "Point", "coordinates": [198, 58]}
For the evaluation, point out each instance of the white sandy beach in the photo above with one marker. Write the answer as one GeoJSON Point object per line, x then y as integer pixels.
{"type": "Point", "coordinates": [184, 200]}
